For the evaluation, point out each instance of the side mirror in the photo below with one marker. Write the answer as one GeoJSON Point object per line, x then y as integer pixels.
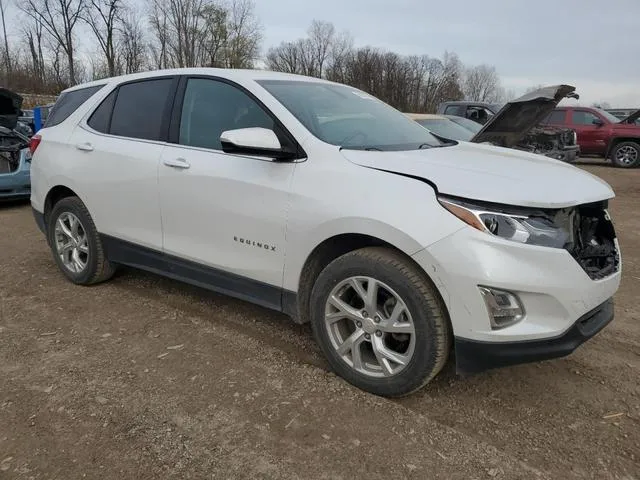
{"type": "Point", "coordinates": [598, 122]}
{"type": "Point", "coordinates": [256, 141]}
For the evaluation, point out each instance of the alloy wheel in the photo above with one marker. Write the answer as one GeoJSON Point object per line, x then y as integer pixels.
{"type": "Point", "coordinates": [72, 244]}
{"type": "Point", "coordinates": [370, 326]}
{"type": "Point", "coordinates": [627, 155]}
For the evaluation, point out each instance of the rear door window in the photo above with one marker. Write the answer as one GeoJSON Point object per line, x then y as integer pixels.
{"type": "Point", "coordinates": [140, 109]}
{"type": "Point", "coordinates": [68, 103]}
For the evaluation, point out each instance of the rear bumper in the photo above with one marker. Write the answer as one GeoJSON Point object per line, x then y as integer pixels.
{"type": "Point", "coordinates": [477, 356]}
{"type": "Point", "coordinates": [39, 218]}
{"type": "Point", "coordinates": [15, 185]}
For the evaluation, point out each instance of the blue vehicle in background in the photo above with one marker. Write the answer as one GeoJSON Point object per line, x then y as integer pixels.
{"type": "Point", "coordinates": [15, 156]}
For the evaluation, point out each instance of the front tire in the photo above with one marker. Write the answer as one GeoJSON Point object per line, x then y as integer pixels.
{"type": "Point", "coordinates": [75, 243]}
{"type": "Point", "coordinates": [626, 155]}
{"type": "Point", "coordinates": [380, 322]}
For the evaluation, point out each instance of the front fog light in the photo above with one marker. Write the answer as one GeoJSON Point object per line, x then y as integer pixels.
{"type": "Point", "coordinates": [504, 307]}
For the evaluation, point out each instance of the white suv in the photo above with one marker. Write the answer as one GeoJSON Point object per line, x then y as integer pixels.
{"type": "Point", "coordinates": [318, 200]}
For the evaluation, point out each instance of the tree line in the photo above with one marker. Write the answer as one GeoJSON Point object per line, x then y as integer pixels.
{"type": "Point", "coordinates": [49, 50]}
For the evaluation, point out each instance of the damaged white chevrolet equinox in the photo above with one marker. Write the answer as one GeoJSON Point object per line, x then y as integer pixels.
{"type": "Point", "coordinates": [320, 201]}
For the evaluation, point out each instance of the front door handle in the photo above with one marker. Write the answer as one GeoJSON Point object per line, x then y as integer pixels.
{"type": "Point", "coordinates": [176, 163]}
{"type": "Point", "coordinates": [86, 146]}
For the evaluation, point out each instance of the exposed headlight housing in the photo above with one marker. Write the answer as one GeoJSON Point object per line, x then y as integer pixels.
{"type": "Point", "coordinates": [522, 225]}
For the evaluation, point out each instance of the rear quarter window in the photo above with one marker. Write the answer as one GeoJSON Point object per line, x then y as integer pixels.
{"type": "Point", "coordinates": [100, 119]}
{"type": "Point", "coordinates": [68, 103]}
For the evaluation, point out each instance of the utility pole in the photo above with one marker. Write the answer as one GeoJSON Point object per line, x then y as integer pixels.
{"type": "Point", "coordinates": [6, 40]}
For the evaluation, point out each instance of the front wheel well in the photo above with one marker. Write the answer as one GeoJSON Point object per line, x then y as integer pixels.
{"type": "Point", "coordinates": [322, 255]}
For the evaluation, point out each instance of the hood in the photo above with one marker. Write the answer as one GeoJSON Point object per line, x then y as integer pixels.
{"type": "Point", "coordinates": [491, 174]}
{"type": "Point", "coordinates": [507, 127]}
{"type": "Point", "coordinates": [10, 105]}
{"type": "Point", "coordinates": [631, 118]}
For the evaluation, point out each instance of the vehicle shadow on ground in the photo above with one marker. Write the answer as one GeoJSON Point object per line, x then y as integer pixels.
{"type": "Point", "coordinates": [279, 331]}
{"type": "Point", "coordinates": [271, 327]}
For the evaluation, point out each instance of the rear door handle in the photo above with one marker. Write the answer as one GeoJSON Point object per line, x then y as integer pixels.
{"type": "Point", "coordinates": [86, 146]}
{"type": "Point", "coordinates": [176, 163]}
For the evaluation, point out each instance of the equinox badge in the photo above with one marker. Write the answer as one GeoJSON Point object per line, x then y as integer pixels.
{"type": "Point", "coordinates": [253, 243]}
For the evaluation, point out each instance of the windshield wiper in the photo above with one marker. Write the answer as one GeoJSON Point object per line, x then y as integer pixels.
{"type": "Point", "coordinates": [361, 148]}
{"type": "Point", "coordinates": [425, 145]}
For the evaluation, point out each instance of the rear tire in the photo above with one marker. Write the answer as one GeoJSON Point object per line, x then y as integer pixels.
{"type": "Point", "coordinates": [366, 341]}
{"type": "Point", "coordinates": [75, 243]}
{"type": "Point", "coordinates": [626, 155]}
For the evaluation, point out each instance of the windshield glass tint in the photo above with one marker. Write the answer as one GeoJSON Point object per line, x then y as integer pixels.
{"type": "Point", "coordinates": [607, 115]}
{"type": "Point", "coordinates": [470, 125]}
{"type": "Point", "coordinates": [348, 117]}
{"type": "Point", "coordinates": [446, 129]}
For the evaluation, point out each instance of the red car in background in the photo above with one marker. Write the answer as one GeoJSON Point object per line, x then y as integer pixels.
{"type": "Point", "coordinates": [601, 133]}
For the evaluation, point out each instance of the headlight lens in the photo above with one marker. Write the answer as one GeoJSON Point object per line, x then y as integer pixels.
{"type": "Point", "coordinates": [530, 226]}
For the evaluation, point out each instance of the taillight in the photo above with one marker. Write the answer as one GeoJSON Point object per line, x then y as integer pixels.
{"type": "Point", "coordinates": [33, 144]}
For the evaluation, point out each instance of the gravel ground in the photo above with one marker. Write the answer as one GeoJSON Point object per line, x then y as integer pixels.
{"type": "Point", "coordinates": [144, 377]}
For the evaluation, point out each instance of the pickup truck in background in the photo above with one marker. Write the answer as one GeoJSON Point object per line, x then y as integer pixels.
{"type": "Point", "coordinates": [601, 133]}
{"type": "Point", "coordinates": [555, 142]}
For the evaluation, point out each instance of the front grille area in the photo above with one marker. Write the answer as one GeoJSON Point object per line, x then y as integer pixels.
{"type": "Point", "coordinates": [568, 138]}
{"type": "Point", "coordinates": [592, 242]}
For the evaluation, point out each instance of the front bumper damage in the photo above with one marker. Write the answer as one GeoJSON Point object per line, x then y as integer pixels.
{"type": "Point", "coordinates": [476, 356]}
{"type": "Point", "coordinates": [566, 293]}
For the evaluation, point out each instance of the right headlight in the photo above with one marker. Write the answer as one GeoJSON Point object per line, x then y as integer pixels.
{"type": "Point", "coordinates": [522, 225]}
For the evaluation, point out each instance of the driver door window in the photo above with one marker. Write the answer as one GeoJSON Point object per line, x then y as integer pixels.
{"type": "Point", "coordinates": [211, 107]}
{"type": "Point", "coordinates": [580, 117]}
{"type": "Point", "coordinates": [217, 207]}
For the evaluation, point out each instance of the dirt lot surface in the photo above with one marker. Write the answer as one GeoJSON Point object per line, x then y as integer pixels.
{"type": "Point", "coordinates": [148, 378]}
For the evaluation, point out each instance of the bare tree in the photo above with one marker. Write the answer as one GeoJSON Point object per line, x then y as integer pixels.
{"type": "Point", "coordinates": [416, 83]}
{"type": "Point", "coordinates": [102, 16]}
{"type": "Point", "coordinates": [286, 57]}
{"type": "Point", "coordinates": [243, 44]}
{"type": "Point", "coordinates": [322, 53]}
{"type": "Point", "coordinates": [321, 35]}
{"type": "Point", "coordinates": [481, 83]}
{"type": "Point", "coordinates": [59, 19]}
{"type": "Point", "coordinates": [34, 37]}
{"type": "Point", "coordinates": [533, 88]}
{"type": "Point", "coordinates": [6, 39]}
{"type": "Point", "coordinates": [215, 34]}
{"type": "Point", "coordinates": [160, 26]}
{"type": "Point", "coordinates": [191, 33]}
{"type": "Point", "coordinates": [131, 45]}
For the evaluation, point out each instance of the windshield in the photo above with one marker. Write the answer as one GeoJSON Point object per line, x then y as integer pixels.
{"type": "Point", "coordinates": [348, 117]}
{"type": "Point", "coordinates": [470, 125]}
{"type": "Point", "coordinates": [607, 115]}
{"type": "Point", "coordinates": [446, 128]}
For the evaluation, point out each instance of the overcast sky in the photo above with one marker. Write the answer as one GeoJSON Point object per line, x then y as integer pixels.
{"type": "Point", "coordinates": [592, 44]}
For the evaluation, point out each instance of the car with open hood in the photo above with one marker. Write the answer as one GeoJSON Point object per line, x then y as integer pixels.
{"type": "Point", "coordinates": [318, 200]}
{"type": "Point", "coordinates": [601, 133]}
{"type": "Point", "coordinates": [15, 157]}
{"type": "Point", "coordinates": [517, 123]}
